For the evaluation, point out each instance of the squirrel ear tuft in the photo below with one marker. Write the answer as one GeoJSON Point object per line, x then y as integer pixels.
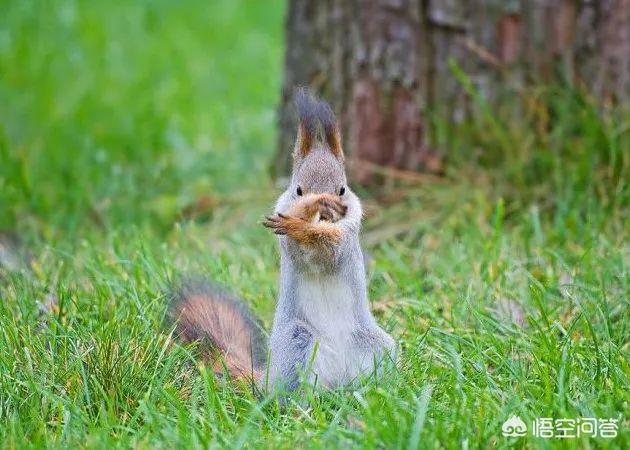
{"type": "Point", "coordinates": [331, 128]}
{"type": "Point", "coordinates": [306, 107]}
{"type": "Point", "coordinates": [311, 113]}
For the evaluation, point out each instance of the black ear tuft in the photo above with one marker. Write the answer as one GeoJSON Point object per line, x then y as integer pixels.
{"type": "Point", "coordinates": [306, 107]}
{"type": "Point", "coordinates": [328, 120]}
{"type": "Point", "coordinates": [312, 113]}
{"type": "Point", "coordinates": [326, 116]}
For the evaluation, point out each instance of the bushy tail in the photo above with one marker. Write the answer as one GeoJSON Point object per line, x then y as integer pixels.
{"type": "Point", "coordinates": [227, 331]}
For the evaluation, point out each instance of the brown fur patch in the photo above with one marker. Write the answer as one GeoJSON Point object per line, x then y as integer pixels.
{"type": "Point", "coordinates": [214, 318]}
{"type": "Point", "coordinates": [329, 207]}
{"type": "Point", "coordinates": [304, 141]}
{"type": "Point", "coordinates": [322, 234]}
{"type": "Point", "coordinates": [306, 208]}
{"type": "Point", "coordinates": [333, 138]}
{"type": "Point", "coordinates": [307, 112]}
{"type": "Point", "coordinates": [331, 128]}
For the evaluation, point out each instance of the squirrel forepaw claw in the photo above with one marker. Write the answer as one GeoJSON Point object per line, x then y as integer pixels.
{"type": "Point", "coordinates": [277, 223]}
{"type": "Point", "coordinates": [331, 209]}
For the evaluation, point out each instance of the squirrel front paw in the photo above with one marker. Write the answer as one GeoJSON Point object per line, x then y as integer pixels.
{"type": "Point", "coordinates": [319, 234]}
{"type": "Point", "coordinates": [316, 207]}
{"type": "Point", "coordinates": [279, 223]}
{"type": "Point", "coordinates": [330, 208]}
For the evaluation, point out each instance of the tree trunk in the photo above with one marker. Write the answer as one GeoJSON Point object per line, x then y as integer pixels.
{"type": "Point", "coordinates": [384, 65]}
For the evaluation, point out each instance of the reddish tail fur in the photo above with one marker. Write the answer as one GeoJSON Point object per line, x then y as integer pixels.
{"type": "Point", "coordinates": [226, 329]}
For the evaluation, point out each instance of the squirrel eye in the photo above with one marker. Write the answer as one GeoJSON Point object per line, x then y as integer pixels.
{"type": "Point", "coordinates": [299, 190]}
{"type": "Point", "coordinates": [342, 190]}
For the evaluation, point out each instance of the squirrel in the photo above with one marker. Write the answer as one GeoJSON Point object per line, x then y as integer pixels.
{"type": "Point", "coordinates": [323, 330]}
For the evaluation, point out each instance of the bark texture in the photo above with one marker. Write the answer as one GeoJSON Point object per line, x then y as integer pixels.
{"type": "Point", "coordinates": [385, 65]}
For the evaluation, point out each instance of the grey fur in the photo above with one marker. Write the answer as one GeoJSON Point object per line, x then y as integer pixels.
{"type": "Point", "coordinates": [323, 300]}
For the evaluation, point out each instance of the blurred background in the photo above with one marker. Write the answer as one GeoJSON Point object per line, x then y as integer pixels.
{"type": "Point", "coordinates": [156, 112]}
{"type": "Point", "coordinates": [133, 111]}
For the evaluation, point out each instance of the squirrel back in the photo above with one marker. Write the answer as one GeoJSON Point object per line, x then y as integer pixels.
{"type": "Point", "coordinates": [227, 331]}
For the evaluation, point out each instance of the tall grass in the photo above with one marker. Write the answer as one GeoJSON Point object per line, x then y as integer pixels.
{"type": "Point", "coordinates": [133, 146]}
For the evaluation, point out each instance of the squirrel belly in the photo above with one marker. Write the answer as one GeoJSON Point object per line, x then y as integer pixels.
{"type": "Point", "coordinates": [341, 328]}
{"type": "Point", "coordinates": [327, 304]}
{"type": "Point", "coordinates": [323, 329]}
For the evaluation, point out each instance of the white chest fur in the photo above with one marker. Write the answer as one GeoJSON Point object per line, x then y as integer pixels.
{"type": "Point", "coordinates": [328, 304]}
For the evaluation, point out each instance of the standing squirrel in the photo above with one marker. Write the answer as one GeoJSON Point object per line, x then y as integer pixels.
{"type": "Point", "coordinates": [323, 329]}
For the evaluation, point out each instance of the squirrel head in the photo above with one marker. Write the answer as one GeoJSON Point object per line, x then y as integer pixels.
{"type": "Point", "coordinates": [318, 162]}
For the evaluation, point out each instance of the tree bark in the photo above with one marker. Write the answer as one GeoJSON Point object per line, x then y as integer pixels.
{"type": "Point", "coordinates": [384, 65]}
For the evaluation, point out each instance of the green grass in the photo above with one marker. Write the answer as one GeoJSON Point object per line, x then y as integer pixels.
{"type": "Point", "coordinates": [134, 141]}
